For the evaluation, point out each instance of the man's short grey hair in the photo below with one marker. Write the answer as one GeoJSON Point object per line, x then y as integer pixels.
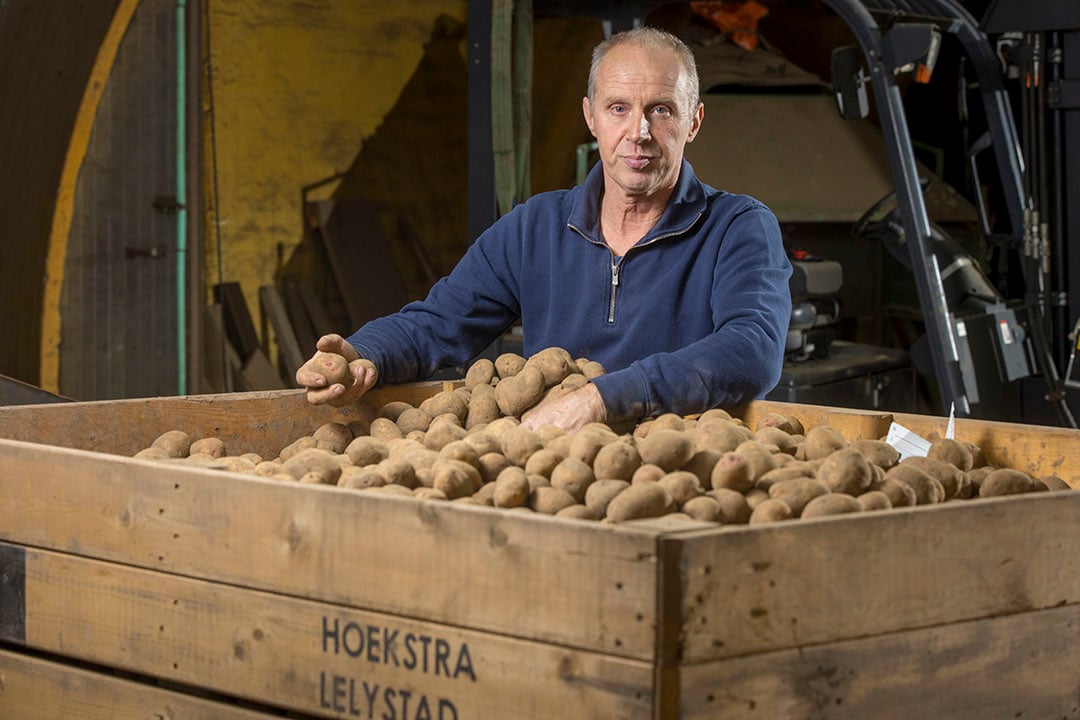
{"type": "Point", "coordinates": [654, 38]}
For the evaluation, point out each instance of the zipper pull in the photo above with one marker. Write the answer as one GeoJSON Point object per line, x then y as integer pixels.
{"type": "Point", "coordinates": [614, 273]}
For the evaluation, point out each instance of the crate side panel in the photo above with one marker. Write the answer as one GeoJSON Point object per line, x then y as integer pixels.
{"type": "Point", "coordinates": [312, 657]}
{"type": "Point", "coordinates": [579, 583]}
{"type": "Point", "coordinates": [802, 582]}
{"type": "Point", "coordinates": [261, 422]}
{"type": "Point", "coordinates": [1017, 666]}
{"type": "Point", "coordinates": [33, 688]}
{"type": "Point", "coordinates": [1037, 450]}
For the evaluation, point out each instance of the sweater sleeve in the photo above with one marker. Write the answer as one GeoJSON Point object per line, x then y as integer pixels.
{"type": "Point", "coordinates": [462, 314]}
{"type": "Point", "coordinates": [742, 358]}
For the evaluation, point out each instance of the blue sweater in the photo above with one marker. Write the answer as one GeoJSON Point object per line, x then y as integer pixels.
{"type": "Point", "coordinates": [693, 316]}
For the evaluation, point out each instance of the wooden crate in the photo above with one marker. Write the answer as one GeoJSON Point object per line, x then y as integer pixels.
{"type": "Point", "coordinates": [130, 588]}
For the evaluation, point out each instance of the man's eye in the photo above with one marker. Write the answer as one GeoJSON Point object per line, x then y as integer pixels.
{"type": "Point", "coordinates": [662, 110]}
{"type": "Point", "coordinates": [618, 109]}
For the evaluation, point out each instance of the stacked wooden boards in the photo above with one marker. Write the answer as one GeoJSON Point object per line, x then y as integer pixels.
{"type": "Point", "coordinates": [135, 589]}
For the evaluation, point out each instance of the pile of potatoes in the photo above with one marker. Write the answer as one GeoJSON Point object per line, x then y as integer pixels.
{"type": "Point", "coordinates": [468, 446]}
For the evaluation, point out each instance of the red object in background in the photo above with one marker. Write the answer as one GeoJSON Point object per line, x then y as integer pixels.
{"type": "Point", "coordinates": [738, 20]}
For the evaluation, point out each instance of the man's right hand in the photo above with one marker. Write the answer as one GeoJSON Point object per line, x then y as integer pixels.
{"type": "Point", "coordinates": [363, 374]}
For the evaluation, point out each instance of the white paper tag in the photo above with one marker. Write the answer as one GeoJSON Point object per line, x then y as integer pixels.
{"type": "Point", "coordinates": [907, 443]}
{"type": "Point", "coordinates": [951, 427]}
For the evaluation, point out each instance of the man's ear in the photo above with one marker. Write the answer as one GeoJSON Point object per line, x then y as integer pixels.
{"type": "Point", "coordinates": [695, 122]}
{"type": "Point", "coordinates": [586, 110]}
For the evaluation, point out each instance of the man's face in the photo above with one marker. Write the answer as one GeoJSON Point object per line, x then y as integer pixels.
{"type": "Point", "coordinates": [641, 118]}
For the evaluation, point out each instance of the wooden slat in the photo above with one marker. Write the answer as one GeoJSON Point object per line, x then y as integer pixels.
{"type": "Point", "coordinates": [313, 657]}
{"type": "Point", "coordinates": [584, 585]}
{"type": "Point", "coordinates": [273, 308]}
{"type": "Point", "coordinates": [37, 689]}
{"type": "Point", "coordinates": [786, 585]}
{"type": "Point", "coordinates": [1018, 666]}
{"type": "Point", "coordinates": [1040, 451]}
{"type": "Point", "coordinates": [262, 422]}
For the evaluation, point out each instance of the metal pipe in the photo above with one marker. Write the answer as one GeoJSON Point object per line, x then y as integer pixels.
{"type": "Point", "coordinates": [181, 198]}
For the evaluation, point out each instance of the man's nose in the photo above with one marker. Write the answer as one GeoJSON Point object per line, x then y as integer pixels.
{"type": "Point", "coordinates": [639, 131]}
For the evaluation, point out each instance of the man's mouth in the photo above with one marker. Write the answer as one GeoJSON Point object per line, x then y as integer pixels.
{"type": "Point", "coordinates": [637, 162]}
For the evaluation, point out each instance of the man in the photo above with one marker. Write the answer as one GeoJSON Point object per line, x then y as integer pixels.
{"type": "Point", "coordinates": [678, 290]}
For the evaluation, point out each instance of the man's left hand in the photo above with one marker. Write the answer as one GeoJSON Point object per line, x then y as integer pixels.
{"type": "Point", "coordinates": [570, 412]}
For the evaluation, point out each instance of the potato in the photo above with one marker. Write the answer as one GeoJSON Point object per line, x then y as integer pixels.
{"type": "Point", "coordinates": [616, 460]}
{"type": "Point", "coordinates": [587, 442]}
{"type": "Point", "coordinates": [385, 429]}
{"type": "Point", "coordinates": [646, 474]}
{"type": "Point", "coordinates": [682, 486]}
{"type": "Point", "coordinates": [1005, 481]}
{"type": "Point", "coordinates": [1053, 482]}
{"type": "Point", "coordinates": [951, 451]}
{"type": "Point", "coordinates": [928, 489]}
{"type": "Point", "coordinates": [591, 369]}
{"type": "Point", "coordinates": [646, 500]}
{"type": "Point", "coordinates": [600, 493]}
{"type": "Point", "coordinates": [367, 450]}
{"type": "Point", "coordinates": [550, 500]}
{"type": "Point", "coordinates": [443, 431]}
{"type": "Point", "coordinates": [760, 457]}
{"type": "Point", "coordinates": [797, 492]}
{"type": "Point", "coordinates": [429, 493]}
{"type": "Point", "coordinates": [267, 468]}
{"type": "Point", "coordinates": [393, 409]}
{"type": "Point", "coordinates": [336, 435]}
{"type": "Point", "coordinates": [520, 392]}
{"type": "Point", "coordinates": [702, 463]}
{"type": "Point", "coordinates": [822, 441]}
{"type": "Point", "coordinates": [831, 504]}
{"type": "Point", "coordinates": [444, 403]}
{"type": "Point", "coordinates": [577, 512]}
{"type": "Point", "coordinates": [702, 508]}
{"type": "Point", "coordinates": [483, 409]}
{"type": "Point", "coordinates": [212, 446]}
{"type": "Point", "coordinates": [845, 471]}
{"type": "Point", "coordinates": [770, 510]}
{"type": "Point", "coordinates": [333, 367]}
{"type": "Point", "coordinates": [392, 489]}
{"type": "Point", "coordinates": [460, 450]}
{"type": "Point", "coordinates": [877, 452]}
{"type": "Point", "coordinates": [670, 449]}
{"type": "Point", "coordinates": [414, 419]}
{"type": "Point", "coordinates": [508, 364]}
{"type": "Point", "coordinates": [733, 508]}
{"type": "Point", "coordinates": [481, 372]}
{"type": "Point", "coordinates": [789, 425]}
{"type": "Point", "coordinates": [950, 477]}
{"type": "Point", "coordinates": [313, 460]}
{"type": "Point", "coordinates": [511, 488]}
{"type": "Point", "coordinates": [874, 500]}
{"type": "Point", "coordinates": [669, 421]}
{"type": "Point", "coordinates": [774, 436]}
{"type": "Point", "coordinates": [720, 436]}
{"type": "Point", "coordinates": [554, 363]}
{"type": "Point", "coordinates": [361, 478]}
{"type": "Point", "coordinates": [536, 481]}
{"type": "Point", "coordinates": [305, 443]}
{"type": "Point", "coordinates": [732, 471]}
{"type": "Point", "coordinates": [519, 443]}
{"type": "Point", "coordinates": [485, 495]}
{"type": "Point", "coordinates": [152, 453]}
{"type": "Point", "coordinates": [755, 496]}
{"type": "Point", "coordinates": [397, 472]}
{"type": "Point", "coordinates": [175, 443]}
{"type": "Point", "coordinates": [900, 494]}
{"type": "Point", "coordinates": [542, 462]}
{"type": "Point", "coordinates": [788, 471]}
{"type": "Point", "coordinates": [491, 464]}
{"type": "Point", "coordinates": [574, 476]}
{"type": "Point", "coordinates": [455, 478]}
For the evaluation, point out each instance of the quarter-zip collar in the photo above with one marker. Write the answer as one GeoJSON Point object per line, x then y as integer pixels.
{"type": "Point", "coordinates": [688, 202]}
